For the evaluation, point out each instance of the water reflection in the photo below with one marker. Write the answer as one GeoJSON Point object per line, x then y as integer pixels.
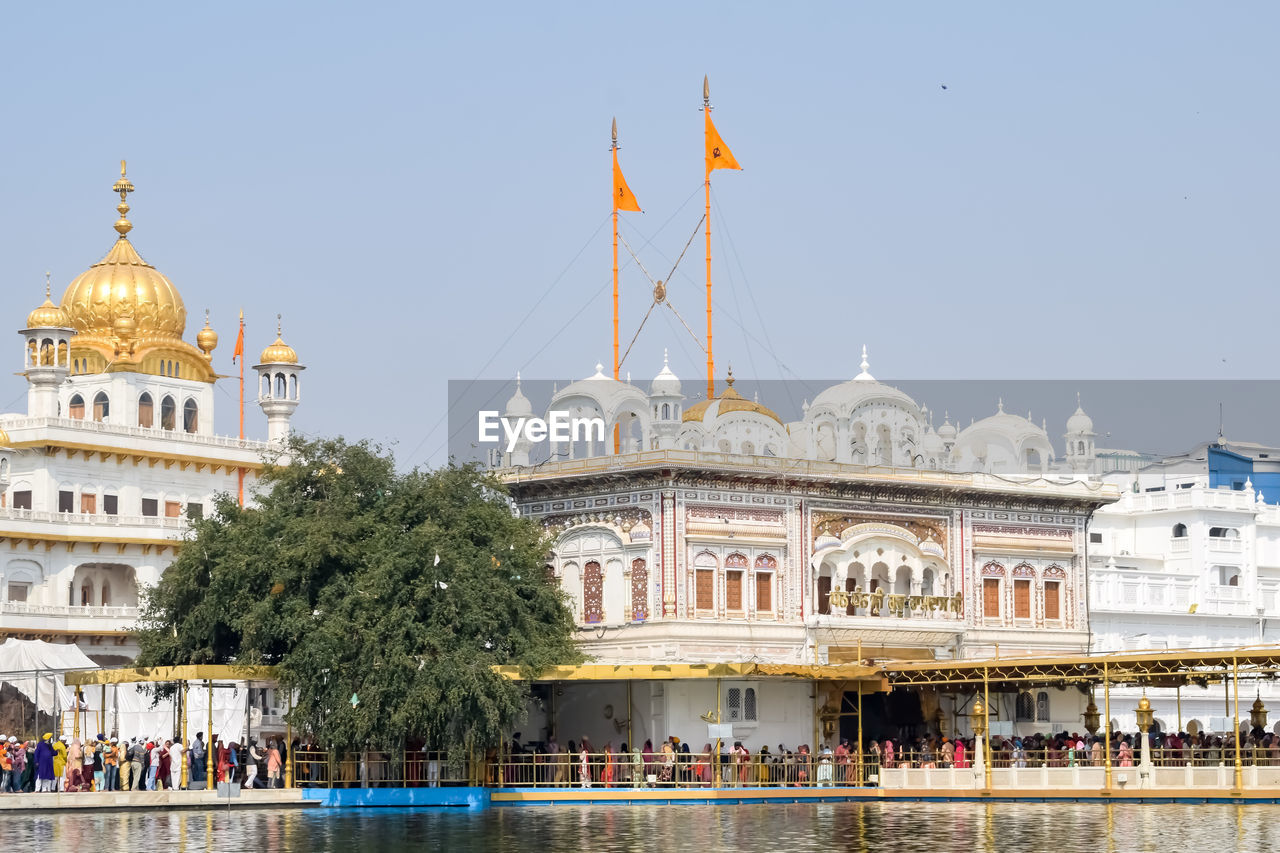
{"type": "Point", "coordinates": [888, 826]}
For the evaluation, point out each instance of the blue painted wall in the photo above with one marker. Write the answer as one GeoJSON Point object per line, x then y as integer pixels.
{"type": "Point", "coordinates": [358, 798]}
{"type": "Point", "coordinates": [1228, 470]}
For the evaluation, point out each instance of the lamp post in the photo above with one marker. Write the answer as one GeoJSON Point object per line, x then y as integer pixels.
{"type": "Point", "coordinates": [1092, 719]}
{"type": "Point", "coordinates": [1258, 713]}
{"type": "Point", "coordinates": [978, 721]}
{"type": "Point", "coordinates": [1145, 718]}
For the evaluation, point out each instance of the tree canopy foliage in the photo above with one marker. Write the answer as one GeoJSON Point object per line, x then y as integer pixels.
{"type": "Point", "coordinates": [356, 581]}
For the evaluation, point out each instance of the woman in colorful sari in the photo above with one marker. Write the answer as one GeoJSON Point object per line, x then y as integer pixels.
{"type": "Point", "coordinates": [888, 754]}
{"type": "Point", "coordinates": [606, 772]}
{"type": "Point", "coordinates": [962, 758]}
{"type": "Point", "coordinates": [762, 766]}
{"type": "Point", "coordinates": [1125, 754]}
{"type": "Point", "coordinates": [667, 767]}
{"type": "Point", "coordinates": [75, 759]}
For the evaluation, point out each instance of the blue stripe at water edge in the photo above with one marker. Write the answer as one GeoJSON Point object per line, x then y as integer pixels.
{"type": "Point", "coordinates": [361, 798]}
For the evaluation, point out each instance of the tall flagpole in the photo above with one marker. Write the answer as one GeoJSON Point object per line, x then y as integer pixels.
{"type": "Point", "coordinates": [617, 431]}
{"type": "Point", "coordinates": [711, 362]}
{"type": "Point", "coordinates": [614, 149]}
{"type": "Point", "coordinates": [240, 471]}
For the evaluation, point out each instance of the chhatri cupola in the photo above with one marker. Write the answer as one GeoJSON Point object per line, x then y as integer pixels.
{"type": "Point", "coordinates": [129, 317]}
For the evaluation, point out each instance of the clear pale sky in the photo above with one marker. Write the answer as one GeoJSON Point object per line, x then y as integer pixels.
{"type": "Point", "coordinates": [422, 189]}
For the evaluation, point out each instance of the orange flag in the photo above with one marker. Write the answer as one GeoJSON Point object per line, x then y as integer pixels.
{"type": "Point", "coordinates": [718, 154]}
{"type": "Point", "coordinates": [623, 198]}
{"type": "Point", "coordinates": [239, 350]}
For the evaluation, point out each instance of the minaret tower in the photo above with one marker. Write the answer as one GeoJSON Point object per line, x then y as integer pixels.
{"type": "Point", "coordinates": [666, 398]}
{"type": "Point", "coordinates": [47, 355]}
{"type": "Point", "coordinates": [278, 386]}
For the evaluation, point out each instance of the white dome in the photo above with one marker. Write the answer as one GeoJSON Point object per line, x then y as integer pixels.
{"type": "Point", "coordinates": [1079, 422]}
{"type": "Point", "coordinates": [611, 395]}
{"type": "Point", "coordinates": [519, 405]}
{"type": "Point", "coordinates": [947, 432]}
{"type": "Point", "coordinates": [844, 398]}
{"type": "Point", "coordinates": [666, 383]}
{"type": "Point", "coordinates": [1013, 427]}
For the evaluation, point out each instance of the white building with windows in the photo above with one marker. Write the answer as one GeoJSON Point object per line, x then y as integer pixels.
{"type": "Point", "coordinates": [717, 533]}
{"type": "Point", "coordinates": [1188, 558]}
{"type": "Point", "coordinates": [116, 450]}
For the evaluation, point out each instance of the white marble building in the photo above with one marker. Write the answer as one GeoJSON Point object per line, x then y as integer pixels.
{"type": "Point", "coordinates": [1178, 564]}
{"type": "Point", "coordinates": [718, 533]}
{"type": "Point", "coordinates": [115, 449]}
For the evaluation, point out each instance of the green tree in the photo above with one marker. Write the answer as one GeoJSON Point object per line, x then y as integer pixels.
{"type": "Point", "coordinates": [355, 581]}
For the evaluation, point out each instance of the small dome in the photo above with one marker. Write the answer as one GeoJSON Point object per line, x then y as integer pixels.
{"type": "Point", "coordinates": [666, 383]}
{"type": "Point", "coordinates": [932, 444]}
{"type": "Point", "coordinates": [207, 338]}
{"type": "Point", "coordinates": [946, 432]}
{"type": "Point", "coordinates": [728, 401]}
{"type": "Point", "coordinates": [279, 353]}
{"type": "Point", "coordinates": [519, 405]}
{"type": "Point", "coordinates": [861, 390]}
{"type": "Point", "coordinates": [1079, 422]}
{"type": "Point", "coordinates": [48, 315]}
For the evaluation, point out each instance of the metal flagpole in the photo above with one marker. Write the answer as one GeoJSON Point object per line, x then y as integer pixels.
{"type": "Point", "coordinates": [617, 430]}
{"type": "Point", "coordinates": [711, 363]}
{"type": "Point", "coordinates": [240, 471]}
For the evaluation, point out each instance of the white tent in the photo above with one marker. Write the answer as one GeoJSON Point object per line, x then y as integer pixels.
{"type": "Point", "coordinates": [36, 669]}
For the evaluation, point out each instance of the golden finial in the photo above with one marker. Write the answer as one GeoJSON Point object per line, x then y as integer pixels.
{"type": "Point", "coordinates": [122, 186]}
{"type": "Point", "coordinates": [48, 284]}
{"type": "Point", "coordinates": [279, 327]}
{"type": "Point", "coordinates": [729, 379]}
{"type": "Point", "coordinates": [706, 90]}
{"type": "Point", "coordinates": [207, 338]}
{"type": "Point", "coordinates": [615, 131]}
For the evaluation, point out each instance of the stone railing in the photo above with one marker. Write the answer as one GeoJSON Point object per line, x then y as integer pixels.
{"type": "Point", "coordinates": [895, 605]}
{"type": "Point", "coordinates": [13, 424]}
{"type": "Point", "coordinates": [94, 519]}
{"type": "Point", "coordinates": [28, 608]}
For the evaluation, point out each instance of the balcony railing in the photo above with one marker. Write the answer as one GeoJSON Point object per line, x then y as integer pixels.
{"type": "Point", "coordinates": [1226, 546]}
{"type": "Point", "coordinates": [12, 424]}
{"type": "Point", "coordinates": [64, 610]}
{"type": "Point", "coordinates": [96, 519]}
{"type": "Point", "coordinates": [894, 605]}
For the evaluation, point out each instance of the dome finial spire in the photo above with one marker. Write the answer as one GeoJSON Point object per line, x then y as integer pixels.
{"type": "Point", "coordinates": [865, 374]}
{"type": "Point", "coordinates": [124, 187]}
{"type": "Point", "coordinates": [48, 284]}
{"type": "Point", "coordinates": [279, 326]}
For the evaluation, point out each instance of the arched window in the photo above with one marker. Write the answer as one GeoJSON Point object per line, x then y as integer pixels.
{"type": "Point", "coordinates": [639, 591]}
{"type": "Point", "coordinates": [190, 416]}
{"type": "Point", "coordinates": [1179, 531]}
{"type": "Point", "coordinates": [748, 449]}
{"type": "Point", "coordinates": [177, 369]}
{"type": "Point", "coordinates": [106, 593]}
{"type": "Point", "coordinates": [86, 594]}
{"type": "Point", "coordinates": [592, 593]}
{"type": "Point", "coordinates": [1025, 709]}
{"type": "Point", "coordinates": [293, 386]}
{"type": "Point", "coordinates": [280, 387]}
{"type": "Point", "coordinates": [1042, 706]}
{"type": "Point", "coordinates": [101, 406]}
{"type": "Point", "coordinates": [666, 411]}
{"type": "Point", "coordinates": [146, 410]}
{"type": "Point", "coordinates": [264, 386]}
{"type": "Point", "coordinates": [168, 412]}
{"type": "Point", "coordinates": [75, 407]}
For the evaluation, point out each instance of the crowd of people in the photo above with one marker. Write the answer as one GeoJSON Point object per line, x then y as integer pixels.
{"type": "Point", "coordinates": [673, 763]}
{"type": "Point", "coordinates": [104, 763]}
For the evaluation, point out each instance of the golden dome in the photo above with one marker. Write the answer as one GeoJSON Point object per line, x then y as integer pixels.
{"type": "Point", "coordinates": [729, 401]}
{"type": "Point", "coordinates": [47, 315]}
{"type": "Point", "coordinates": [207, 338]}
{"type": "Point", "coordinates": [279, 352]}
{"type": "Point", "coordinates": [123, 285]}
{"type": "Point", "coordinates": [1144, 704]}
